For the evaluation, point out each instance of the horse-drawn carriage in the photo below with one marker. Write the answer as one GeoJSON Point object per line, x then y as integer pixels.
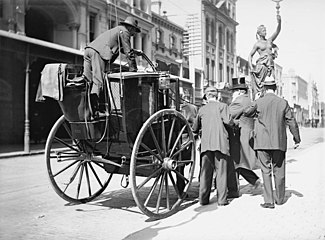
{"type": "Point", "coordinates": [143, 136]}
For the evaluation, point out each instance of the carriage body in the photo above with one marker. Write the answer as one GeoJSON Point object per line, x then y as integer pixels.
{"type": "Point", "coordinates": [144, 136]}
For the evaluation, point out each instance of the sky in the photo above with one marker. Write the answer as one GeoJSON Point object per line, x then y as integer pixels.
{"type": "Point", "coordinates": [301, 41]}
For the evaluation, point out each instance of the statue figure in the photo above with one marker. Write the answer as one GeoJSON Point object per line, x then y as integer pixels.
{"type": "Point", "coordinates": [265, 63]}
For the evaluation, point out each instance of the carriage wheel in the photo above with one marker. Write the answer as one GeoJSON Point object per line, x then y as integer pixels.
{"type": "Point", "coordinates": [162, 163]}
{"type": "Point", "coordinates": [73, 172]}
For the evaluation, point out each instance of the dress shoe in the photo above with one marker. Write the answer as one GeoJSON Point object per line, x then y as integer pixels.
{"type": "Point", "coordinates": [204, 203]}
{"type": "Point", "coordinates": [257, 184]}
{"type": "Point", "coordinates": [223, 204]}
{"type": "Point", "coordinates": [233, 195]}
{"type": "Point", "coordinates": [279, 203]}
{"type": "Point", "coordinates": [267, 205]}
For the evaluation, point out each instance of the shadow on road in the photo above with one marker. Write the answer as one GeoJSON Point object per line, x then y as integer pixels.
{"type": "Point", "coordinates": [123, 199]}
{"type": "Point", "coordinates": [152, 231]}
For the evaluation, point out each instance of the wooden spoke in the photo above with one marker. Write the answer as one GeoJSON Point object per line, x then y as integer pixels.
{"type": "Point", "coordinates": [80, 179]}
{"type": "Point", "coordinates": [88, 179]}
{"type": "Point", "coordinates": [62, 170]}
{"type": "Point", "coordinates": [148, 178]}
{"type": "Point", "coordinates": [155, 140]}
{"type": "Point", "coordinates": [171, 132]}
{"type": "Point", "coordinates": [177, 140]}
{"type": "Point", "coordinates": [160, 191]}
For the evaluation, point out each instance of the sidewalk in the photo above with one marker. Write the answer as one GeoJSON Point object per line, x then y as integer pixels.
{"type": "Point", "coordinates": [16, 150]}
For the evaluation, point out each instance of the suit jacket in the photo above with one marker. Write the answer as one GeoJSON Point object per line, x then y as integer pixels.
{"type": "Point", "coordinates": [273, 114]}
{"type": "Point", "coordinates": [241, 148]}
{"type": "Point", "coordinates": [109, 43]}
{"type": "Point", "coordinates": [211, 118]}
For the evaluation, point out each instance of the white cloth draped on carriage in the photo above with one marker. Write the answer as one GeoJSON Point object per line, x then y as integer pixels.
{"type": "Point", "coordinates": [52, 82]}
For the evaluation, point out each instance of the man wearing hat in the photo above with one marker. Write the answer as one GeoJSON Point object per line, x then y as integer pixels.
{"type": "Point", "coordinates": [214, 146]}
{"type": "Point", "coordinates": [103, 51]}
{"type": "Point", "coordinates": [270, 140]}
{"type": "Point", "coordinates": [242, 152]}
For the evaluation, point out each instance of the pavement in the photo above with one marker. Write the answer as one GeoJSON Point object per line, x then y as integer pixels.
{"type": "Point", "coordinates": [115, 215]}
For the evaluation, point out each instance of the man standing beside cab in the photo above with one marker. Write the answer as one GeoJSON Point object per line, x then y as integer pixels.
{"type": "Point", "coordinates": [214, 146]}
{"type": "Point", "coordinates": [270, 140]}
{"type": "Point", "coordinates": [242, 152]}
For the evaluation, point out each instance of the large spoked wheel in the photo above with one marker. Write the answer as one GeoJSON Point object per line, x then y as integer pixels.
{"type": "Point", "coordinates": [75, 173]}
{"type": "Point", "coordinates": [162, 163]}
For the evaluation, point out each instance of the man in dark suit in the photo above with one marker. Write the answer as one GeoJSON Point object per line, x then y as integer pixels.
{"type": "Point", "coordinates": [241, 151]}
{"type": "Point", "coordinates": [103, 51]}
{"type": "Point", "coordinates": [270, 140]}
{"type": "Point", "coordinates": [214, 146]}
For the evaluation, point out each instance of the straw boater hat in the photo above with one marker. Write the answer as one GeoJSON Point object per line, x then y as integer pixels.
{"type": "Point", "coordinates": [269, 81]}
{"type": "Point", "coordinates": [211, 91]}
{"type": "Point", "coordinates": [239, 83]}
{"type": "Point", "coordinates": [130, 21]}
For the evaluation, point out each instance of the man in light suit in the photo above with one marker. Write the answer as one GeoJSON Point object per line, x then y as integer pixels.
{"type": "Point", "coordinates": [270, 140]}
{"type": "Point", "coordinates": [103, 51]}
{"type": "Point", "coordinates": [214, 146]}
{"type": "Point", "coordinates": [241, 151]}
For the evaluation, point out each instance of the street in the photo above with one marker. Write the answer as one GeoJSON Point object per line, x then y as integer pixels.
{"type": "Point", "coordinates": [30, 209]}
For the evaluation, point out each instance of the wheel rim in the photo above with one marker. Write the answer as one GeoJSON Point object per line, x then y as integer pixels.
{"type": "Point", "coordinates": [162, 163]}
{"type": "Point", "coordinates": [73, 171]}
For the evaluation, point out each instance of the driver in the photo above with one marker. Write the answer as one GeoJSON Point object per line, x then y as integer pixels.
{"type": "Point", "coordinates": [104, 50]}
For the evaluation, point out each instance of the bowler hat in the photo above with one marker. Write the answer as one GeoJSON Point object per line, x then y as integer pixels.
{"type": "Point", "coordinates": [269, 81]}
{"type": "Point", "coordinates": [239, 83]}
{"type": "Point", "coordinates": [130, 21]}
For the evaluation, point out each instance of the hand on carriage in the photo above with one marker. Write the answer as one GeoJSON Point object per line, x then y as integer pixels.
{"type": "Point", "coordinates": [138, 52]}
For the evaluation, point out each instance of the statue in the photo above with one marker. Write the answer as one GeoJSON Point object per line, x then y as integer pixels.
{"type": "Point", "coordinates": [265, 63]}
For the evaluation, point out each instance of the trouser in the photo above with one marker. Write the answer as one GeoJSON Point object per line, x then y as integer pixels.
{"type": "Point", "coordinates": [248, 175]}
{"type": "Point", "coordinates": [232, 181]}
{"type": "Point", "coordinates": [94, 68]}
{"type": "Point", "coordinates": [212, 160]}
{"type": "Point", "coordinates": [273, 159]}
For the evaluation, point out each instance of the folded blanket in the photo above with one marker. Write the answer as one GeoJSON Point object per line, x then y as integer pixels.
{"type": "Point", "coordinates": [52, 82]}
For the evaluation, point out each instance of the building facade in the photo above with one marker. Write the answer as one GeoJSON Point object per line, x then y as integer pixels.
{"type": "Point", "coordinates": [295, 91]}
{"type": "Point", "coordinates": [36, 32]}
{"type": "Point", "coordinates": [212, 45]}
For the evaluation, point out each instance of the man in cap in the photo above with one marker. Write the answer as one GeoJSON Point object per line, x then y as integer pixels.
{"type": "Point", "coordinates": [103, 51]}
{"type": "Point", "coordinates": [270, 140]}
{"type": "Point", "coordinates": [241, 149]}
{"type": "Point", "coordinates": [214, 146]}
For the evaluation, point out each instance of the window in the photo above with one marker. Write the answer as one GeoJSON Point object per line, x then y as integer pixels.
{"type": "Point", "coordinates": [213, 70]}
{"type": "Point", "coordinates": [172, 42]}
{"type": "Point", "coordinates": [207, 29]}
{"type": "Point", "coordinates": [227, 41]}
{"type": "Point", "coordinates": [213, 33]}
{"type": "Point", "coordinates": [92, 26]}
{"type": "Point", "coordinates": [208, 68]}
{"type": "Point", "coordinates": [220, 37]}
{"type": "Point", "coordinates": [158, 36]}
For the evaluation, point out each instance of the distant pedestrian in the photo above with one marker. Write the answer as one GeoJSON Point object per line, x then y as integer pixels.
{"type": "Point", "coordinates": [241, 150]}
{"type": "Point", "coordinates": [214, 146]}
{"type": "Point", "coordinates": [270, 140]}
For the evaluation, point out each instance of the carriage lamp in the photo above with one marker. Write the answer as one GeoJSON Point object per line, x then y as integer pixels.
{"type": "Point", "coordinates": [164, 82]}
